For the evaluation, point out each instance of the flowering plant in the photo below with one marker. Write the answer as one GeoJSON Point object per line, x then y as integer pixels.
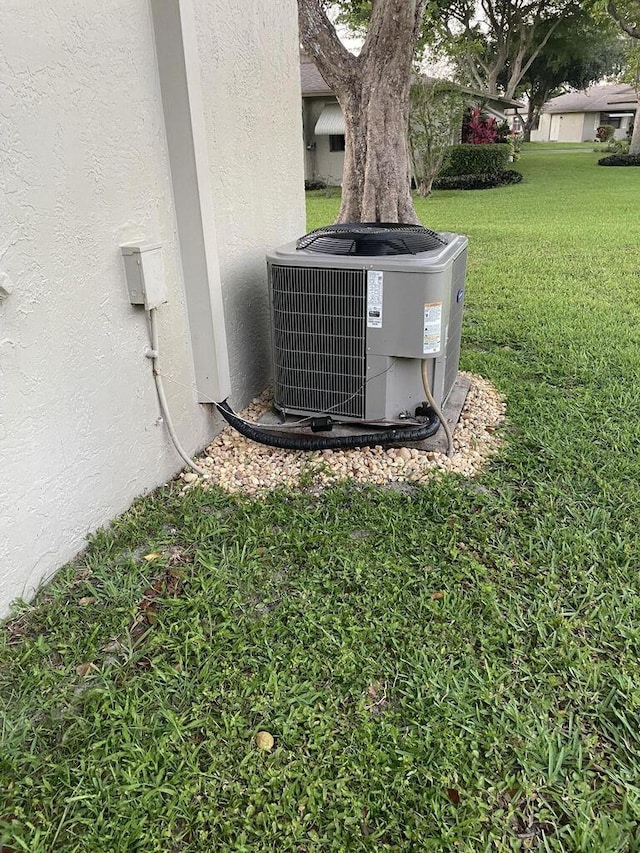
{"type": "Point", "coordinates": [479, 129]}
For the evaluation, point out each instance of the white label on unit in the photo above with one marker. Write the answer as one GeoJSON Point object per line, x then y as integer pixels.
{"type": "Point", "coordinates": [432, 327]}
{"type": "Point", "coordinates": [374, 299]}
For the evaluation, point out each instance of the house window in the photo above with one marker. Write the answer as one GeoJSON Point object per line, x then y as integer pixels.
{"type": "Point", "coordinates": [614, 121]}
{"type": "Point", "coordinates": [336, 142]}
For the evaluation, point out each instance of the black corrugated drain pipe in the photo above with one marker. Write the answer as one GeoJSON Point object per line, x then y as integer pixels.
{"type": "Point", "coordinates": [337, 442]}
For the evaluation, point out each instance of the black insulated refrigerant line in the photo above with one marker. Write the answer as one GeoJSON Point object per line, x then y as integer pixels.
{"type": "Point", "coordinates": [337, 442]}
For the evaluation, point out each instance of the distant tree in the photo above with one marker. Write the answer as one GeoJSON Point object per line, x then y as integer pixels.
{"type": "Point", "coordinates": [580, 52]}
{"type": "Point", "coordinates": [436, 114]}
{"type": "Point", "coordinates": [626, 13]}
{"type": "Point", "coordinates": [373, 92]}
{"type": "Point", "coordinates": [494, 43]}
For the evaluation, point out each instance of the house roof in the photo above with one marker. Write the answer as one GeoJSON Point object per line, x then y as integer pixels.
{"type": "Point", "coordinates": [596, 99]}
{"type": "Point", "coordinates": [313, 83]}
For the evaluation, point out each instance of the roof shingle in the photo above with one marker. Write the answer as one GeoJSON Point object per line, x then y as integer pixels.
{"type": "Point", "coordinates": [595, 99]}
{"type": "Point", "coordinates": [313, 83]}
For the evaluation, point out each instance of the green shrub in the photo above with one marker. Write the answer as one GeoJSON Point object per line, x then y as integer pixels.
{"type": "Point", "coordinates": [434, 121]}
{"type": "Point", "coordinates": [478, 182]}
{"type": "Point", "coordinates": [315, 184]}
{"type": "Point", "coordinates": [467, 159]}
{"type": "Point", "coordinates": [620, 160]}
{"type": "Point", "coordinates": [615, 146]}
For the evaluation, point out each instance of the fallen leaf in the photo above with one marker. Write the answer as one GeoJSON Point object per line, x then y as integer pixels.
{"type": "Point", "coordinates": [453, 795]}
{"type": "Point", "coordinates": [87, 600]}
{"type": "Point", "coordinates": [113, 646]}
{"type": "Point", "coordinates": [437, 595]}
{"type": "Point", "coordinates": [152, 556]}
{"type": "Point", "coordinates": [264, 740]}
{"type": "Point", "coordinates": [84, 669]}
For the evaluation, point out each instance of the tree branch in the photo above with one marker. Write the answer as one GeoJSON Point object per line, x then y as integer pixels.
{"type": "Point", "coordinates": [390, 18]}
{"type": "Point", "coordinates": [319, 38]}
{"type": "Point", "coordinates": [627, 27]}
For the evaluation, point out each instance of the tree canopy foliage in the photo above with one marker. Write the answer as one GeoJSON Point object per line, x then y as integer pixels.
{"type": "Point", "coordinates": [580, 52]}
{"type": "Point", "coordinates": [499, 46]}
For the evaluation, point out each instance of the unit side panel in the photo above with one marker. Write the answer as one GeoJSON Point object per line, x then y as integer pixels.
{"type": "Point", "coordinates": [407, 297]}
{"type": "Point", "coordinates": [455, 322]}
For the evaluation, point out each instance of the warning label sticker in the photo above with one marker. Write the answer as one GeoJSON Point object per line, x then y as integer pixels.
{"type": "Point", "coordinates": [432, 327]}
{"type": "Point", "coordinates": [374, 299]}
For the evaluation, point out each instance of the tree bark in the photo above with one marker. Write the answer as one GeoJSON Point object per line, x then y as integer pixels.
{"type": "Point", "coordinates": [628, 23]}
{"type": "Point", "coordinates": [634, 145]}
{"type": "Point", "coordinates": [373, 92]}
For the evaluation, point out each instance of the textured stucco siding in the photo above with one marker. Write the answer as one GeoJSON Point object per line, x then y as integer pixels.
{"type": "Point", "coordinates": [84, 169]}
{"type": "Point", "coordinates": [251, 84]}
{"type": "Point", "coordinates": [591, 122]}
{"type": "Point", "coordinates": [544, 129]}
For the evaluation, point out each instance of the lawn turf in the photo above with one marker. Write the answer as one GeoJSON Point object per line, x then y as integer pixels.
{"type": "Point", "coordinates": [453, 669]}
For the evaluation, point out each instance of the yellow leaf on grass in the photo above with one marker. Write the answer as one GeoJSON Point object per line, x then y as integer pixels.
{"type": "Point", "coordinates": [87, 600]}
{"type": "Point", "coordinates": [152, 556]}
{"type": "Point", "coordinates": [264, 740]}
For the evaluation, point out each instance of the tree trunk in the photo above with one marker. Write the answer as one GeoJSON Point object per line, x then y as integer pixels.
{"type": "Point", "coordinates": [376, 182]}
{"type": "Point", "coordinates": [634, 145]}
{"type": "Point", "coordinates": [373, 91]}
{"type": "Point", "coordinates": [627, 20]}
{"type": "Point", "coordinates": [533, 114]}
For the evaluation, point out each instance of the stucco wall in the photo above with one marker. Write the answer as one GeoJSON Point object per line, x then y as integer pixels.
{"type": "Point", "coordinates": [566, 127]}
{"type": "Point", "coordinates": [251, 79]}
{"type": "Point", "coordinates": [544, 128]}
{"type": "Point", "coordinates": [591, 122]}
{"type": "Point", "coordinates": [84, 169]}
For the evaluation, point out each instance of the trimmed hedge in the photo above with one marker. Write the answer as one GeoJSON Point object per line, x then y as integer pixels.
{"type": "Point", "coordinates": [620, 160]}
{"type": "Point", "coordinates": [467, 159]}
{"type": "Point", "coordinates": [478, 182]}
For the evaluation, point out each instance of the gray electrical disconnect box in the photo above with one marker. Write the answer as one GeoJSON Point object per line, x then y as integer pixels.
{"type": "Point", "coordinates": [145, 274]}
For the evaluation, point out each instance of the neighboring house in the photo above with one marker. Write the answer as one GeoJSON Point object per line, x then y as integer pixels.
{"type": "Point", "coordinates": [124, 122]}
{"type": "Point", "coordinates": [323, 122]}
{"type": "Point", "coordinates": [576, 116]}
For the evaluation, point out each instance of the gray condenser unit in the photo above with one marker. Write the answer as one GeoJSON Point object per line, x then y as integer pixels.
{"type": "Point", "coordinates": [355, 309]}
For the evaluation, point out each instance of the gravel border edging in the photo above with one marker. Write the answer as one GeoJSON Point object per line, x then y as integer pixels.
{"type": "Point", "coordinates": [240, 465]}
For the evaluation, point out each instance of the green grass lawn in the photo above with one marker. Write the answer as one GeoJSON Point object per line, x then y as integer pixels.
{"type": "Point", "coordinates": [452, 669]}
{"type": "Point", "coordinates": [533, 147]}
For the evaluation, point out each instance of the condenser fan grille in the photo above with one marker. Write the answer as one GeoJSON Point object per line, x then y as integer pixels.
{"type": "Point", "coordinates": [371, 239]}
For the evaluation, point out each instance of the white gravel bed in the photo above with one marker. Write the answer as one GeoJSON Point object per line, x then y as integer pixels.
{"type": "Point", "coordinates": [239, 465]}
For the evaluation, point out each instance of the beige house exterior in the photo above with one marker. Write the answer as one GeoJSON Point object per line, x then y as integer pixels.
{"type": "Point", "coordinates": [323, 123]}
{"type": "Point", "coordinates": [575, 117]}
{"type": "Point", "coordinates": [131, 122]}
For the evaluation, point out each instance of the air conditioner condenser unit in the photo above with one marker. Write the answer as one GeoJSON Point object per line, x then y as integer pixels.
{"type": "Point", "coordinates": [355, 310]}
